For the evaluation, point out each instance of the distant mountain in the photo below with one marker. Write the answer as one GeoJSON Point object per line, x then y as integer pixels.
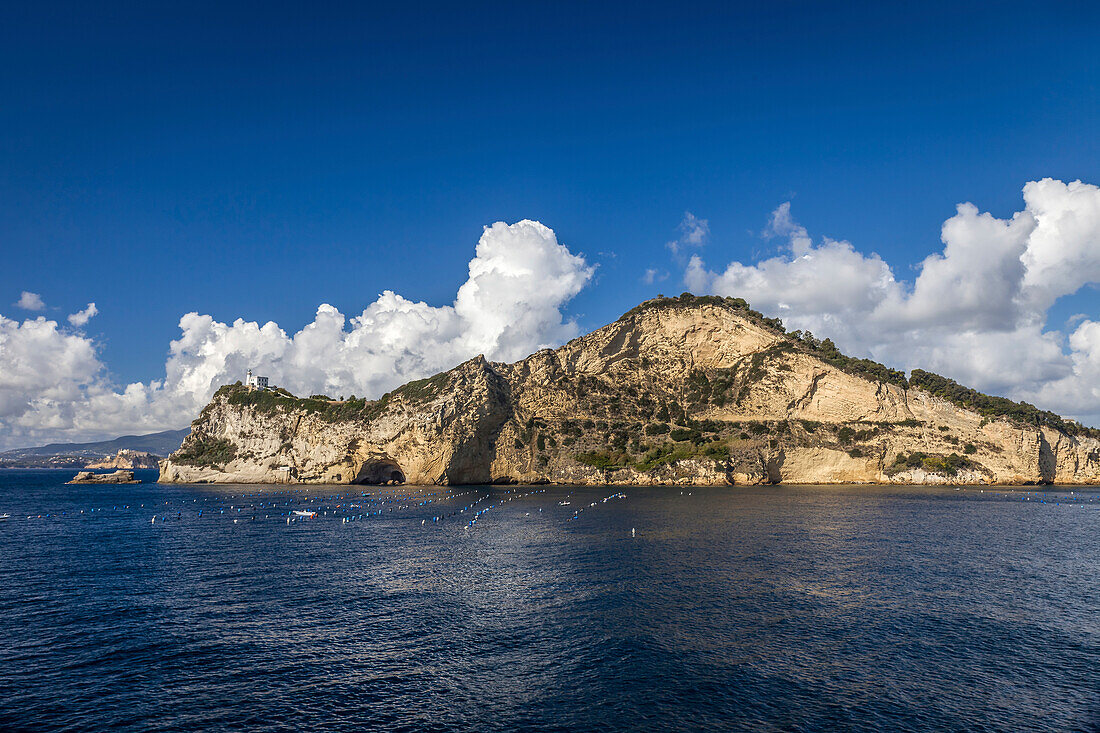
{"type": "Point", "coordinates": [160, 444]}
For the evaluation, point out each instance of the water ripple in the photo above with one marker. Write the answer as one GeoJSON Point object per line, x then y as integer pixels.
{"type": "Point", "coordinates": [779, 608]}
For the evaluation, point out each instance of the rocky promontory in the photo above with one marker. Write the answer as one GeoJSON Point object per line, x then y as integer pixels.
{"type": "Point", "coordinates": [688, 390]}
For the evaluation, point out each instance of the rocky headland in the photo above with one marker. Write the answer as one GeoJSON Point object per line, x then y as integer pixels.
{"type": "Point", "coordinates": [688, 390]}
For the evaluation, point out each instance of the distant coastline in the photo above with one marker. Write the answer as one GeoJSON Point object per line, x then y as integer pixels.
{"type": "Point", "coordinates": [127, 452]}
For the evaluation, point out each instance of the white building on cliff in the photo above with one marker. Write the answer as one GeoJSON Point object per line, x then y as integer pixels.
{"type": "Point", "coordinates": [255, 382]}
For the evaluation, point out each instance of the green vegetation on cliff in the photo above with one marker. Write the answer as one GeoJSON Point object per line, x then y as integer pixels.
{"type": "Point", "coordinates": [827, 351]}
{"type": "Point", "coordinates": [200, 450]}
{"type": "Point", "coordinates": [646, 449]}
{"type": "Point", "coordinates": [948, 465]}
{"type": "Point", "coordinates": [422, 390]}
{"type": "Point", "coordinates": [652, 459]}
{"type": "Point", "coordinates": [687, 300]}
{"type": "Point", "coordinates": [325, 408]}
{"type": "Point", "coordinates": [990, 406]}
{"type": "Point", "coordinates": [280, 399]}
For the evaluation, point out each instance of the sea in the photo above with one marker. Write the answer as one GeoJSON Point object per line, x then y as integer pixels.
{"type": "Point", "coordinates": [548, 608]}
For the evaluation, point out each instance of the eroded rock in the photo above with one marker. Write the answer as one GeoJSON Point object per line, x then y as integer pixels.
{"type": "Point", "coordinates": [117, 477]}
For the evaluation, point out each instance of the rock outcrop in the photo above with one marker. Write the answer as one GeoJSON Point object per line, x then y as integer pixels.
{"type": "Point", "coordinates": [129, 459]}
{"type": "Point", "coordinates": [118, 477]}
{"type": "Point", "coordinates": [677, 391]}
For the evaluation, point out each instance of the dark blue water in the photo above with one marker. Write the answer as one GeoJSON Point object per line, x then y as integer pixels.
{"type": "Point", "coordinates": [772, 608]}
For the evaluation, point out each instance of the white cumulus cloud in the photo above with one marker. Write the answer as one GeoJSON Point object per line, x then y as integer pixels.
{"type": "Point", "coordinates": [976, 311]}
{"type": "Point", "coordinates": [29, 301]}
{"type": "Point", "coordinates": [41, 366]}
{"type": "Point", "coordinates": [81, 318]}
{"type": "Point", "coordinates": [53, 386]}
{"type": "Point", "coordinates": [693, 233]}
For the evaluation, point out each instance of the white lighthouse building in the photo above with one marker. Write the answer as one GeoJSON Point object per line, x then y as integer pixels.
{"type": "Point", "coordinates": [255, 382]}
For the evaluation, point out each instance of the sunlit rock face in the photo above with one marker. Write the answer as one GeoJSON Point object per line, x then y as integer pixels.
{"type": "Point", "coordinates": [682, 391]}
{"type": "Point", "coordinates": [126, 459]}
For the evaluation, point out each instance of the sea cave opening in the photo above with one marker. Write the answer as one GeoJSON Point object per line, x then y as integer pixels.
{"type": "Point", "coordinates": [378, 471]}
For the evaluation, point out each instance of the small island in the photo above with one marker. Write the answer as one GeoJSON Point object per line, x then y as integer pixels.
{"type": "Point", "coordinates": [117, 477]}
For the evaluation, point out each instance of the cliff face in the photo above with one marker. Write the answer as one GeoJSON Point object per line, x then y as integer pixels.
{"type": "Point", "coordinates": [678, 391]}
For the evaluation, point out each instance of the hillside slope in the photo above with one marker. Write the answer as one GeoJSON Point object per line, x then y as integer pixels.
{"type": "Point", "coordinates": [161, 443]}
{"type": "Point", "coordinates": [678, 391]}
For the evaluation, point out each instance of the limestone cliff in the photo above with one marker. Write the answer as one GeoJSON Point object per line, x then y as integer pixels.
{"type": "Point", "coordinates": [677, 391]}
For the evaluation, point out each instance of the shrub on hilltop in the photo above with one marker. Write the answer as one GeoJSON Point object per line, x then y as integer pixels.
{"type": "Point", "coordinates": [991, 406]}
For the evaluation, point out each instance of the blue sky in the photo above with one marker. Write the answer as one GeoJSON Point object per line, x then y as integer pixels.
{"type": "Point", "coordinates": [256, 160]}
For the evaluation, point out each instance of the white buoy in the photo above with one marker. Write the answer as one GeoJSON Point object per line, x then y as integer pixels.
{"type": "Point", "coordinates": [153, 520]}
{"type": "Point", "coordinates": [633, 531]}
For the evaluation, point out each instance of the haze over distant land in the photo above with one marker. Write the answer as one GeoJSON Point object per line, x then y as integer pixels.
{"type": "Point", "coordinates": [160, 444]}
{"type": "Point", "coordinates": [976, 311]}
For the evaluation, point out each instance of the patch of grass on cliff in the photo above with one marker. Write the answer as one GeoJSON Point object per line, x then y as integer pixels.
{"type": "Point", "coordinates": [722, 386]}
{"type": "Point", "coordinates": [661, 455]}
{"type": "Point", "coordinates": [948, 465]}
{"type": "Point", "coordinates": [715, 387]}
{"type": "Point", "coordinates": [908, 422]}
{"type": "Point", "coordinates": [846, 435]}
{"type": "Point", "coordinates": [688, 300]}
{"type": "Point", "coordinates": [203, 451]}
{"type": "Point", "coordinates": [655, 457]}
{"type": "Point", "coordinates": [716, 451]}
{"type": "Point", "coordinates": [263, 400]}
{"type": "Point", "coordinates": [682, 434]}
{"type": "Point", "coordinates": [275, 400]}
{"type": "Point", "coordinates": [604, 461]}
{"type": "Point", "coordinates": [422, 390]}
